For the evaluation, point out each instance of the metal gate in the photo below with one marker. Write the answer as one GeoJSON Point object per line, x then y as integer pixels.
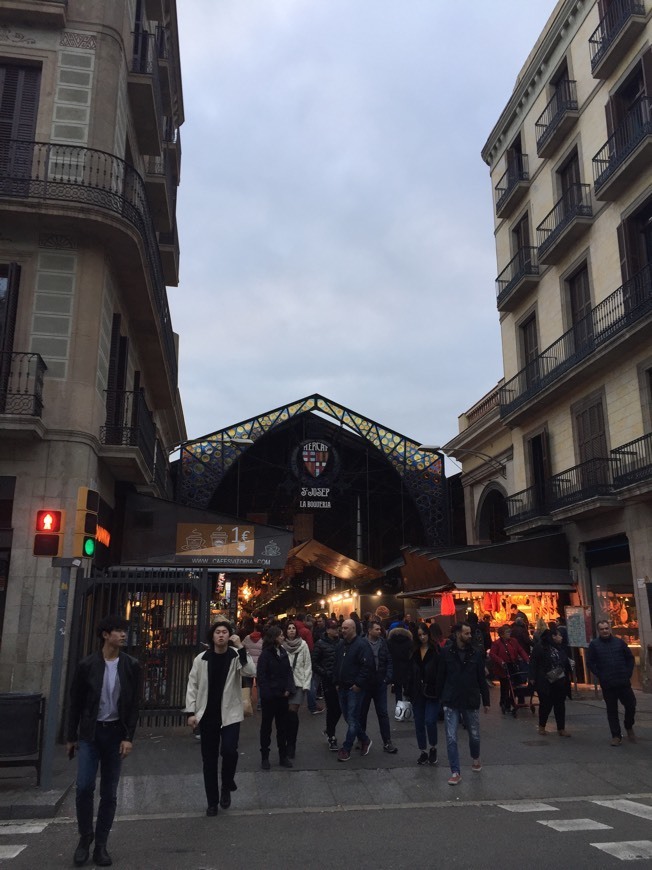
{"type": "Point", "coordinates": [167, 609]}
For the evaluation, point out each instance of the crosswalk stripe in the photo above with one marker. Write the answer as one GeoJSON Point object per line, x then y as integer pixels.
{"type": "Point", "coordinates": [574, 825]}
{"type": "Point", "coordinates": [634, 850]}
{"type": "Point", "coordinates": [31, 828]}
{"type": "Point", "coordinates": [7, 852]}
{"type": "Point", "coordinates": [526, 807]}
{"type": "Point", "coordinates": [625, 806]}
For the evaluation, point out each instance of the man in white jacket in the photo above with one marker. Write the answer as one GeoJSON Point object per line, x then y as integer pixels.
{"type": "Point", "coordinates": [214, 702]}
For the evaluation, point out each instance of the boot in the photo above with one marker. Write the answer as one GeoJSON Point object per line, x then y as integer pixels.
{"type": "Point", "coordinates": [284, 761]}
{"type": "Point", "coordinates": [264, 760]}
{"type": "Point", "coordinates": [82, 852]}
{"type": "Point", "coordinates": [100, 856]}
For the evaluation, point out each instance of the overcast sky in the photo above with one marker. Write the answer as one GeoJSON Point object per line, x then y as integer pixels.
{"type": "Point", "coordinates": [335, 215]}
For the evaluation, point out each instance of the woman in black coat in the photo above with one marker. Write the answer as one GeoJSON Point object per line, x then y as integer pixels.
{"type": "Point", "coordinates": [275, 686]}
{"type": "Point", "coordinates": [421, 690]}
{"type": "Point", "coordinates": [550, 672]}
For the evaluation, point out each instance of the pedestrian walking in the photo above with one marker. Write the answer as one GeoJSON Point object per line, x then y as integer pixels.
{"type": "Point", "coordinates": [401, 647]}
{"type": "Point", "coordinates": [323, 665]}
{"type": "Point", "coordinates": [376, 689]}
{"type": "Point", "coordinates": [214, 703]}
{"type": "Point", "coordinates": [612, 662]}
{"type": "Point", "coordinates": [301, 664]}
{"type": "Point", "coordinates": [461, 687]}
{"type": "Point", "coordinates": [550, 672]}
{"type": "Point", "coordinates": [101, 723]}
{"type": "Point", "coordinates": [353, 669]}
{"type": "Point", "coordinates": [506, 653]}
{"type": "Point", "coordinates": [275, 685]}
{"type": "Point", "coordinates": [422, 692]}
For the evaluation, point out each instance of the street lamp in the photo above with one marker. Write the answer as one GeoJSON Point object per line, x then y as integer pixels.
{"type": "Point", "coordinates": [491, 460]}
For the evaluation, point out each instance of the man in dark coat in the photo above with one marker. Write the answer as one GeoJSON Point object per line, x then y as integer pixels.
{"type": "Point", "coordinates": [377, 689]}
{"type": "Point", "coordinates": [101, 722]}
{"type": "Point", "coordinates": [323, 665]}
{"type": "Point", "coordinates": [612, 661]}
{"type": "Point", "coordinates": [461, 686]}
{"type": "Point", "coordinates": [352, 673]}
{"type": "Point", "coordinates": [401, 646]}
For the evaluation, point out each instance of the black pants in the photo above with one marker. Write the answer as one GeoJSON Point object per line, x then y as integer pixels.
{"type": "Point", "coordinates": [553, 699]}
{"type": "Point", "coordinates": [274, 710]}
{"type": "Point", "coordinates": [627, 698]}
{"type": "Point", "coordinates": [333, 712]}
{"type": "Point", "coordinates": [211, 737]}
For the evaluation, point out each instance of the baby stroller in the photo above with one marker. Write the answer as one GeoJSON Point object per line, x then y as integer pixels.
{"type": "Point", "coordinates": [521, 693]}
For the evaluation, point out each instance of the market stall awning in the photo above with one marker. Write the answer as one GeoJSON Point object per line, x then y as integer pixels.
{"type": "Point", "coordinates": [320, 556]}
{"type": "Point", "coordinates": [536, 565]}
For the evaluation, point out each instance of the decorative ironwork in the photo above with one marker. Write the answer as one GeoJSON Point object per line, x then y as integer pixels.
{"type": "Point", "coordinates": [526, 505]}
{"type": "Point", "coordinates": [576, 202]}
{"type": "Point", "coordinates": [564, 100]}
{"type": "Point", "coordinates": [69, 173]}
{"type": "Point", "coordinates": [21, 384]}
{"type": "Point", "coordinates": [633, 461]}
{"type": "Point", "coordinates": [623, 308]}
{"type": "Point", "coordinates": [205, 462]}
{"type": "Point", "coordinates": [517, 172]}
{"type": "Point", "coordinates": [607, 31]}
{"type": "Point", "coordinates": [589, 479]}
{"type": "Point", "coordinates": [130, 423]}
{"type": "Point", "coordinates": [525, 263]}
{"type": "Point", "coordinates": [620, 145]}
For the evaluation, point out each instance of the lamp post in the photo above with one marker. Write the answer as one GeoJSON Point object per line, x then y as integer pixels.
{"type": "Point", "coordinates": [491, 460]}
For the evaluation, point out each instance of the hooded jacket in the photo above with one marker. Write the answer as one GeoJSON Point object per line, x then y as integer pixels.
{"type": "Point", "coordinates": [461, 680]}
{"type": "Point", "coordinates": [86, 691]}
{"type": "Point", "coordinates": [231, 710]}
{"type": "Point", "coordinates": [401, 645]}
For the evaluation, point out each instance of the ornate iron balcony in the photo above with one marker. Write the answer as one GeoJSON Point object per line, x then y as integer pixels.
{"type": "Point", "coordinates": [525, 263]}
{"type": "Point", "coordinates": [619, 311]}
{"type": "Point", "coordinates": [589, 479]}
{"type": "Point", "coordinates": [514, 178]}
{"type": "Point", "coordinates": [88, 178]}
{"type": "Point", "coordinates": [633, 462]}
{"type": "Point", "coordinates": [129, 423]}
{"type": "Point", "coordinates": [576, 202]}
{"type": "Point", "coordinates": [623, 142]}
{"type": "Point", "coordinates": [560, 107]}
{"type": "Point", "coordinates": [526, 505]}
{"type": "Point", "coordinates": [21, 384]}
{"type": "Point", "coordinates": [609, 28]}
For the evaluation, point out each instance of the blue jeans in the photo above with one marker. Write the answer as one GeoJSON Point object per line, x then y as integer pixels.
{"type": "Point", "coordinates": [377, 694]}
{"type": "Point", "coordinates": [103, 751]}
{"type": "Point", "coordinates": [471, 720]}
{"type": "Point", "coordinates": [350, 704]}
{"type": "Point", "coordinates": [425, 711]}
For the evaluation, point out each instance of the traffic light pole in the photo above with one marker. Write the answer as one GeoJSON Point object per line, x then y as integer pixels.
{"type": "Point", "coordinates": [52, 707]}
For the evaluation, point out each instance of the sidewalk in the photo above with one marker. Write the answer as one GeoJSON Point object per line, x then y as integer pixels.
{"type": "Point", "coordinates": [163, 774]}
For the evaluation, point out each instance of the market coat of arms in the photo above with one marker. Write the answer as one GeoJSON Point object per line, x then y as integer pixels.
{"type": "Point", "coordinates": [315, 455]}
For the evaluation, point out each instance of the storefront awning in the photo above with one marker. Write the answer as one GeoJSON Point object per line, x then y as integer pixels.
{"type": "Point", "coordinates": [314, 553]}
{"type": "Point", "coordinates": [537, 565]}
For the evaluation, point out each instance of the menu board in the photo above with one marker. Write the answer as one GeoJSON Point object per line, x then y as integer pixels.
{"type": "Point", "coordinates": [579, 625]}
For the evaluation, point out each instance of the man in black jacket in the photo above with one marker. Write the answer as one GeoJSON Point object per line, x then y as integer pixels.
{"type": "Point", "coordinates": [376, 691]}
{"type": "Point", "coordinates": [612, 662]}
{"type": "Point", "coordinates": [323, 665]}
{"type": "Point", "coordinates": [353, 669]}
{"type": "Point", "coordinates": [101, 723]}
{"type": "Point", "coordinates": [461, 686]}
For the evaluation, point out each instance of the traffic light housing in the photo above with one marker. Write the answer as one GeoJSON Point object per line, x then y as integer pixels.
{"type": "Point", "coordinates": [49, 527]}
{"type": "Point", "coordinates": [84, 540]}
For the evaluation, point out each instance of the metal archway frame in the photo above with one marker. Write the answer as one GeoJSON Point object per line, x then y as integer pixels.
{"type": "Point", "coordinates": [205, 461]}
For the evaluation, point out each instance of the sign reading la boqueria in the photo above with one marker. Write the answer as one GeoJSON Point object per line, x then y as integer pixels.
{"type": "Point", "coordinates": [316, 464]}
{"type": "Point", "coordinates": [228, 545]}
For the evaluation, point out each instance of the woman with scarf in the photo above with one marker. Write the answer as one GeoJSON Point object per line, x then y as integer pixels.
{"type": "Point", "coordinates": [301, 664]}
{"type": "Point", "coordinates": [550, 672]}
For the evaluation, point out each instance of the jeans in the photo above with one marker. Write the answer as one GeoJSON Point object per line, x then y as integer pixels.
{"type": "Point", "coordinates": [211, 737]}
{"type": "Point", "coordinates": [377, 694]}
{"type": "Point", "coordinates": [102, 751]}
{"type": "Point", "coordinates": [350, 704]}
{"type": "Point", "coordinates": [471, 720]}
{"type": "Point", "coordinates": [626, 696]}
{"type": "Point", "coordinates": [425, 712]}
{"type": "Point", "coordinates": [274, 710]}
{"type": "Point", "coordinates": [333, 711]}
{"type": "Point", "coordinates": [311, 694]}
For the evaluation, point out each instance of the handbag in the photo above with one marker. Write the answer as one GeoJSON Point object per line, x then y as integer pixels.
{"type": "Point", "coordinates": [555, 674]}
{"type": "Point", "coordinates": [403, 711]}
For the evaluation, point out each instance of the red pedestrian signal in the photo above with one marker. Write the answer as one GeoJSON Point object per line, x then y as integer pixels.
{"type": "Point", "coordinates": [49, 527]}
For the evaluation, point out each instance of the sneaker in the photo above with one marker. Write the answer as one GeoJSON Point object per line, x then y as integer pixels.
{"type": "Point", "coordinates": [343, 755]}
{"type": "Point", "coordinates": [616, 741]}
{"type": "Point", "coordinates": [563, 733]}
{"type": "Point", "coordinates": [423, 758]}
{"type": "Point", "coordinates": [454, 779]}
{"type": "Point", "coordinates": [389, 747]}
{"type": "Point", "coordinates": [317, 711]}
{"type": "Point", "coordinates": [477, 765]}
{"type": "Point", "coordinates": [432, 756]}
{"type": "Point", "coordinates": [332, 744]}
{"type": "Point", "coordinates": [366, 746]}
{"type": "Point", "coordinates": [631, 736]}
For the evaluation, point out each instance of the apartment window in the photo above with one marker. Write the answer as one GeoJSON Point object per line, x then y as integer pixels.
{"type": "Point", "coordinates": [530, 349]}
{"type": "Point", "coordinates": [591, 433]}
{"type": "Point", "coordinates": [579, 296]}
{"type": "Point", "coordinates": [569, 183]}
{"type": "Point", "coordinates": [9, 281]}
{"type": "Point", "coordinates": [19, 91]}
{"type": "Point", "coordinates": [521, 244]}
{"type": "Point", "coordinates": [635, 243]}
{"type": "Point", "coordinates": [515, 165]}
{"type": "Point", "coordinates": [537, 454]}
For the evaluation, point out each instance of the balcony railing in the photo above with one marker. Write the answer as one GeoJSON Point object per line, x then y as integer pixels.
{"type": "Point", "coordinates": [157, 174]}
{"type": "Point", "coordinates": [526, 505]}
{"type": "Point", "coordinates": [590, 479]}
{"type": "Point", "coordinates": [621, 144]}
{"type": "Point", "coordinates": [161, 476]}
{"type": "Point", "coordinates": [21, 384]}
{"type": "Point", "coordinates": [516, 174]}
{"type": "Point", "coordinates": [576, 202]}
{"type": "Point", "coordinates": [146, 86]}
{"type": "Point", "coordinates": [524, 264]}
{"type": "Point", "coordinates": [563, 102]}
{"type": "Point", "coordinates": [607, 31]}
{"type": "Point", "coordinates": [628, 304]}
{"type": "Point", "coordinates": [633, 462]}
{"type": "Point", "coordinates": [129, 423]}
{"type": "Point", "coordinates": [68, 173]}
{"type": "Point", "coordinates": [483, 407]}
